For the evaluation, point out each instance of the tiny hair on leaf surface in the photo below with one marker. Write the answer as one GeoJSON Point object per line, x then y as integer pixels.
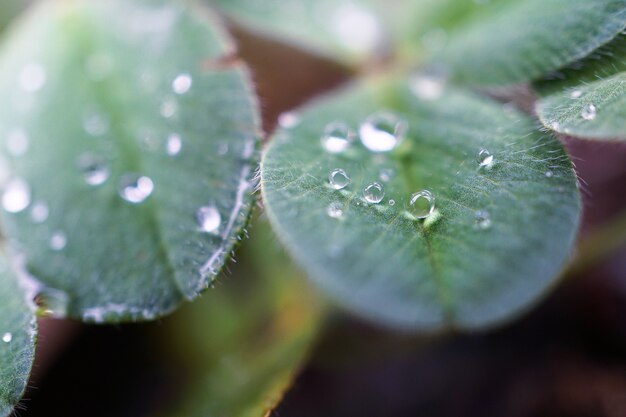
{"type": "Point", "coordinates": [131, 156]}
{"type": "Point", "coordinates": [506, 204]}
{"type": "Point", "coordinates": [17, 339]}
{"type": "Point", "coordinates": [513, 41]}
{"type": "Point", "coordinates": [588, 99]}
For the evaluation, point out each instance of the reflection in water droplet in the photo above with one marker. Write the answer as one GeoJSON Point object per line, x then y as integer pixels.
{"type": "Point", "coordinates": [135, 188]}
{"type": "Point", "coordinates": [589, 112]}
{"type": "Point", "coordinates": [483, 219]}
{"type": "Point", "coordinates": [209, 219]}
{"type": "Point", "coordinates": [96, 124]}
{"type": "Point", "coordinates": [337, 137]}
{"type": "Point", "coordinates": [576, 94]}
{"type": "Point", "coordinates": [39, 212]}
{"type": "Point", "coordinates": [58, 241]}
{"type": "Point", "coordinates": [484, 158]}
{"type": "Point", "coordinates": [17, 142]}
{"type": "Point", "coordinates": [382, 132]}
{"type": "Point", "coordinates": [16, 196]}
{"type": "Point", "coordinates": [32, 78]}
{"type": "Point", "coordinates": [288, 120]}
{"type": "Point", "coordinates": [174, 144]}
{"type": "Point", "coordinates": [7, 337]}
{"type": "Point", "coordinates": [94, 169]}
{"type": "Point", "coordinates": [335, 210]}
{"type": "Point", "coordinates": [374, 193]}
{"type": "Point", "coordinates": [338, 179]}
{"type": "Point", "coordinates": [422, 204]}
{"type": "Point", "coordinates": [182, 83]}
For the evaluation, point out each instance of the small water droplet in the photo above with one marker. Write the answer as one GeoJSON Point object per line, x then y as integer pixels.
{"type": "Point", "coordinates": [135, 188]}
{"type": "Point", "coordinates": [209, 219]}
{"type": "Point", "coordinates": [17, 142]}
{"type": "Point", "coordinates": [589, 112]}
{"type": "Point", "coordinates": [7, 337]}
{"type": "Point", "coordinates": [483, 219]}
{"type": "Point", "coordinates": [374, 193]}
{"type": "Point", "coordinates": [32, 78]}
{"type": "Point", "coordinates": [168, 108]}
{"type": "Point", "coordinates": [94, 169]}
{"type": "Point", "coordinates": [58, 241]}
{"type": "Point", "coordinates": [96, 124]}
{"type": "Point", "coordinates": [16, 196]}
{"type": "Point", "coordinates": [576, 94]}
{"type": "Point", "coordinates": [382, 132]}
{"type": "Point", "coordinates": [549, 174]}
{"type": "Point", "coordinates": [182, 83]}
{"type": "Point", "coordinates": [422, 204]}
{"type": "Point", "coordinates": [335, 210]}
{"type": "Point", "coordinates": [338, 179]}
{"type": "Point", "coordinates": [484, 158]}
{"type": "Point", "coordinates": [386, 174]}
{"type": "Point", "coordinates": [428, 86]}
{"type": "Point", "coordinates": [337, 137]}
{"type": "Point", "coordinates": [288, 120]}
{"type": "Point", "coordinates": [39, 212]}
{"type": "Point", "coordinates": [392, 202]}
{"type": "Point", "coordinates": [174, 144]}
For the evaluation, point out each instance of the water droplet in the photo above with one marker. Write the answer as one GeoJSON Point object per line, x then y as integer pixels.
{"type": "Point", "coordinates": [337, 137]}
{"type": "Point", "coordinates": [576, 94]}
{"type": "Point", "coordinates": [17, 142]}
{"type": "Point", "coordinates": [16, 196]}
{"type": "Point", "coordinates": [168, 108]}
{"type": "Point", "coordinates": [422, 204]}
{"type": "Point", "coordinates": [32, 78]}
{"type": "Point", "coordinates": [483, 219]}
{"type": "Point", "coordinates": [382, 132]}
{"type": "Point", "coordinates": [386, 174]}
{"type": "Point", "coordinates": [338, 179]}
{"type": "Point", "coordinates": [392, 202]}
{"type": "Point", "coordinates": [589, 112]}
{"type": "Point", "coordinates": [39, 212]}
{"type": "Point", "coordinates": [96, 124]}
{"type": "Point", "coordinates": [356, 28]}
{"type": "Point", "coordinates": [288, 120]}
{"type": "Point", "coordinates": [174, 144]}
{"type": "Point", "coordinates": [58, 241]}
{"type": "Point", "coordinates": [182, 83]}
{"type": "Point", "coordinates": [335, 210]}
{"type": "Point", "coordinates": [555, 125]}
{"type": "Point", "coordinates": [209, 219]}
{"type": "Point", "coordinates": [549, 174]}
{"type": "Point", "coordinates": [428, 86]}
{"type": "Point", "coordinates": [94, 169]}
{"type": "Point", "coordinates": [7, 337]}
{"type": "Point", "coordinates": [374, 193]}
{"type": "Point", "coordinates": [135, 188]}
{"type": "Point", "coordinates": [484, 158]}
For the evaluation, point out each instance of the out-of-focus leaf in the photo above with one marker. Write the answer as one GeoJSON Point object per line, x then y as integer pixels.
{"type": "Point", "coordinates": [10, 9]}
{"type": "Point", "coordinates": [496, 242]}
{"type": "Point", "coordinates": [243, 343]}
{"type": "Point", "coordinates": [17, 340]}
{"type": "Point", "coordinates": [129, 130]}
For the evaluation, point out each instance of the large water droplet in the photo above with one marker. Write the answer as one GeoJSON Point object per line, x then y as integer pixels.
{"type": "Point", "coordinates": [335, 210]}
{"type": "Point", "coordinates": [174, 144]}
{"type": "Point", "coordinates": [16, 196]}
{"type": "Point", "coordinates": [32, 78]}
{"type": "Point", "coordinates": [382, 132]}
{"type": "Point", "coordinates": [484, 158]}
{"type": "Point", "coordinates": [589, 112]}
{"type": "Point", "coordinates": [182, 83]}
{"type": "Point", "coordinates": [7, 337]}
{"type": "Point", "coordinates": [39, 212]}
{"type": "Point", "coordinates": [483, 219]}
{"type": "Point", "coordinates": [17, 142]}
{"type": "Point", "coordinates": [374, 193]}
{"type": "Point", "coordinates": [338, 179]}
{"type": "Point", "coordinates": [135, 188]}
{"type": "Point", "coordinates": [209, 219]}
{"type": "Point", "coordinates": [422, 204]}
{"type": "Point", "coordinates": [58, 241]}
{"type": "Point", "coordinates": [94, 169]}
{"type": "Point", "coordinates": [337, 137]}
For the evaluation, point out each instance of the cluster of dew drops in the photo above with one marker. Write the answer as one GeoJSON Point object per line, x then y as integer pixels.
{"type": "Point", "coordinates": [588, 112]}
{"type": "Point", "coordinates": [132, 188]}
{"type": "Point", "coordinates": [380, 133]}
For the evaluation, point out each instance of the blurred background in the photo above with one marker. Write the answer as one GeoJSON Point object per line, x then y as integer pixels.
{"type": "Point", "coordinates": [565, 358]}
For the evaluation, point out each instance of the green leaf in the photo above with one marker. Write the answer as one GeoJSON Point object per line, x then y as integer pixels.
{"type": "Point", "coordinates": [243, 343]}
{"type": "Point", "coordinates": [513, 41]}
{"type": "Point", "coordinates": [10, 9]}
{"type": "Point", "coordinates": [124, 124]}
{"type": "Point", "coordinates": [498, 237]}
{"type": "Point", "coordinates": [345, 29]}
{"type": "Point", "coordinates": [594, 88]}
{"type": "Point", "coordinates": [17, 340]}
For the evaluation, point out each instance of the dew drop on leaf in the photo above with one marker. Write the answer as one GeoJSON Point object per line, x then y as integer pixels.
{"type": "Point", "coordinates": [16, 196]}
{"type": "Point", "coordinates": [576, 94]}
{"type": "Point", "coordinates": [335, 210]}
{"type": "Point", "coordinates": [209, 219]}
{"type": "Point", "coordinates": [182, 83]}
{"type": "Point", "coordinates": [589, 112]}
{"type": "Point", "coordinates": [484, 158]}
{"type": "Point", "coordinates": [374, 193]}
{"type": "Point", "coordinates": [174, 144]}
{"type": "Point", "coordinates": [94, 169]}
{"type": "Point", "coordinates": [422, 204]}
{"type": "Point", "coordinates": [135, 188]}
{"type": "Point", "coordinates": [338, 179]}
{"type": "Point", "coordinates": [337, 137]}
{"type": "Point", "coordinates": [483, 219]}
{"type": "Point", "coordinates": [382, 132]}
{"type": "Point", "coordinates": [7, 337]}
